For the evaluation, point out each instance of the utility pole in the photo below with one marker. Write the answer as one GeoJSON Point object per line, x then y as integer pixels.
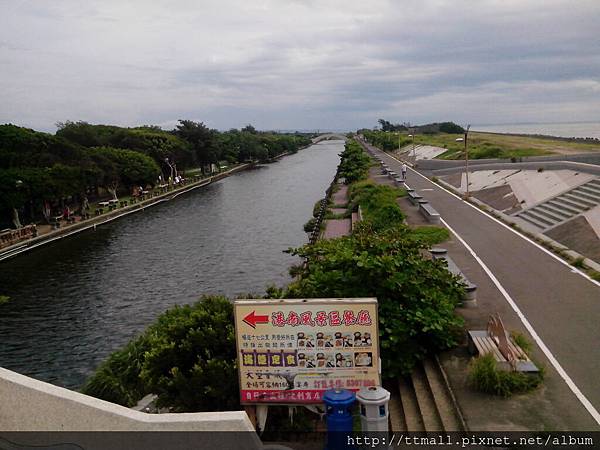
{"type": "Point", "coordinates": [468, 193]}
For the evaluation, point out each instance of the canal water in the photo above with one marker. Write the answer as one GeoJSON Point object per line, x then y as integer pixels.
{"type": "Point", "coordinates": [75, 301]}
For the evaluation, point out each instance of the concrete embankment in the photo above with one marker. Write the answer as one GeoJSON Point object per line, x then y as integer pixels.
{"type": "Point", "coordinates": [56, 415]}
{"type": "Point", "coordinates": [93, 222]}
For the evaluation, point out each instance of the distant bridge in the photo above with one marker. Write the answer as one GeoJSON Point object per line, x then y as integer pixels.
{"type": "Point", "coordinates": [329, 137]}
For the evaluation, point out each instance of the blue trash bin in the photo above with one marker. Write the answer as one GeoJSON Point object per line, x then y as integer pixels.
{"type": "Point", "coordinates": [338, 406]}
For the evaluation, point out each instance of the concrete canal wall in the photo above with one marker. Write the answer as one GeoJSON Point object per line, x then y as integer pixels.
{"type": "Point", "coordinates": [78, 227]}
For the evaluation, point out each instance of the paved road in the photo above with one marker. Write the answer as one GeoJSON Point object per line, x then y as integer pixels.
{"type": "Point", "coordinates": [562, 306]}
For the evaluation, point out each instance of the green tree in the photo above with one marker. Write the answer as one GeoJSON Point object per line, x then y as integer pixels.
{"type": "Point", "coordinates": [416, 296]}
{"type": "Point", "coordinates": [201, 138]}
{"type": "Point", "coordinates": [124, 167]}
{"type": "Point", "coordinates": [187, 357]}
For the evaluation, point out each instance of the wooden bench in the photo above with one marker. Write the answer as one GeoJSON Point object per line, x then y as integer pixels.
{"type": "Point", "coordinates": [414, 198]}
{"type": "Point", "coordinates": [497, 341]}
{"type": "Point", "coordinates": [470, 297]}
{"type": "Point", "coordinates": [429, 213]}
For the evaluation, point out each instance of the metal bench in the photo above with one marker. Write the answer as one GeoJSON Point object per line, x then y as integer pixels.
{"type": "Point", "coordinates": [497, 341]}
{"type": "Point", "coordinates": [470, 297]}
{"type": "Point", "coordinates": [414, 197]}
{"type": "Point", "coordinates": [429, 212]}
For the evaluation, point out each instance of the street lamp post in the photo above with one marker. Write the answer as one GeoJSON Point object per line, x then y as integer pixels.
{"type": "Point", "coordinates": [466, 158]}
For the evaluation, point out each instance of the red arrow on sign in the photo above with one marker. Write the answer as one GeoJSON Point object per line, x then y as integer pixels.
{"type": "Point", "coordinates": [252, 319]}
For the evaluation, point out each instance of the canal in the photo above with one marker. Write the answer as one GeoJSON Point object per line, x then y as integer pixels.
{"type": "Point", "coordinates": [72, 302]}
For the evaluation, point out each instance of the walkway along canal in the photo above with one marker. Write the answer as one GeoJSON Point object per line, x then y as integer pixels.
{"type": "Point", "coordinates": [74, 301]}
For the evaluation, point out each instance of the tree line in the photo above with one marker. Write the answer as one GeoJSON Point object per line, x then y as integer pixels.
{"type": "Point", "coordinates": [429, 128]}
{"type": "Point", "coordinates": [41, 171]}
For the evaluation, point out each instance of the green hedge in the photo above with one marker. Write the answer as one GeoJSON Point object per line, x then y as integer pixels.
{"type": "Point", "coordinates": [354, 164]}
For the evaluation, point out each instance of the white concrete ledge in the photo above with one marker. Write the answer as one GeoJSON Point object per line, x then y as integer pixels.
{"type": "Point", "coordinates": [31, 405]}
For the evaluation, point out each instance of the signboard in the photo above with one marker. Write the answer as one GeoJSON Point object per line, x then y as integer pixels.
{"type": "Point", "coordinates": [292, 351]}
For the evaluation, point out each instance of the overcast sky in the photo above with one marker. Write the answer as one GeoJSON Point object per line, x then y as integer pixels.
{"type": "Point", "coordinates": [298, 64]}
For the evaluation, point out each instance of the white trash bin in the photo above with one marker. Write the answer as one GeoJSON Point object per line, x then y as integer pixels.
{"type": "Point", "coordinates": [374, 412]}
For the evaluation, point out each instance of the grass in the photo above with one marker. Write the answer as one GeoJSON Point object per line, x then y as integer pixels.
{"type": "Point", "coordinates": [578, 262]}
{"type": "Point", "coordinates": [431, 234]}
{"type": "Point", "coordinates": [378, 203]}
{"type": "Point", "coordinates": [485, 376]}
{"type": "Point", "coordinates": [594, 275]}
{"type": "Point", "coordinates": [492, 145]}
{"type": "Point", "coordinates": [522, 342]}
{"type": "Point", "coordinates": [4, 299]}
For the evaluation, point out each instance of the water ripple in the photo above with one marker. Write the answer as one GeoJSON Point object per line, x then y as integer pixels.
{"type": "Point", "coordinates": [76, 300]}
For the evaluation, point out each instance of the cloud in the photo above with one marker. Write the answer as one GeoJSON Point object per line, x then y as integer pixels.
{"type": "Point", "coordinates": [298, 64]}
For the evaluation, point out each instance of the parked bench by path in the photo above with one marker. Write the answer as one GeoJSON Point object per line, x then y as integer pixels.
{"type": "Point", "coordinates": [413, 197]}
{"type": "Point", "coordinates": [470, 298]}
{"type": "Point", "coordinates": [497, 341]}
{"type": "Point", "coordinates": [429, 213]}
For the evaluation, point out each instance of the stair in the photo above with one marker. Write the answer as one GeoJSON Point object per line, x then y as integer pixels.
{"type": "Point", "coordinates": [563, 207]}
{"type": "Point", "coordinates": [410, 406]}
{"type": "Point", "coordinates": [426, 402]}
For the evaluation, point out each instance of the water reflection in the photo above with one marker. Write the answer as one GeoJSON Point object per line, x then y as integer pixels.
{"type": "Point", "coordinates": [76, 300]}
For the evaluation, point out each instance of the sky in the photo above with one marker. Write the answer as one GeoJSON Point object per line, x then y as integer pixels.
{"type": "Point", "coordinates": [298, 64]}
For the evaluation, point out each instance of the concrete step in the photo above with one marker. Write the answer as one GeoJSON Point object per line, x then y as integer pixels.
{"type": "Point", "coordinates": [397, 421]}
{"type": "Point", "coordinates": [412, 413]}
{"type": "Point", "coordinates": [537, 217]}
{"type": "Point", "coordinates": [557, 204]}
{"type": "Point", "coordinates": [567, 204]}
{"type": "Point", "coordinates": [576, 200]}
{"type": "Point", "coordinates": [580, 191]}
{"type": "Point", "coordinates": [594, 182]}
{"type": "Point", "coordinates": [441, 396]}
{"type": "Point", "coordinates": [427, 406]}
{"type": "Point", "coordinates": [591, 188]}
{"type": "Point", "coordinates": [532, 221]}
{"type": "Point", "coordinates": [547, 214]}
{"type": "Point", "coordinates": [563, 213]}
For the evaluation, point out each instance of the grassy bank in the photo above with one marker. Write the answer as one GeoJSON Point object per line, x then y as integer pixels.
{"type": "Point", "coordinates": [489, 145]}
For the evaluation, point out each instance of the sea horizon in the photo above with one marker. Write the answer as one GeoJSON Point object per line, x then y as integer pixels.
{"type": "Point", "coordinates": [559, 129]}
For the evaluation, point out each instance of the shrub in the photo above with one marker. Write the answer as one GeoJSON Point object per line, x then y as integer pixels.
{"type": "Point", "coordinates": [486, 377]}
{"type": "Point", "coordinates": [378, 203]}
{"type": "Point", "coordinates": [310, 225]}
{"type": "Point", "coordinates": [521, 341]}
{"type": "Point", "coordinates": [117, 380]}
{"type": "Point", "coordinates": [416, 297]}
{"type": "Point", "coordinates": [191, 363]}
{"type": "Point", "coordinates": [431, 235]}
{"type": "Point", "coordinates": [594, 275]}
{"type": "Point", "coordinates": [578, 262]}
{"type": "Point", "coordinates": [317, 207]}
{"type": "Point", "coordinates": [354, 165]}
{"type": "Point", "coordinates": [187, 357]}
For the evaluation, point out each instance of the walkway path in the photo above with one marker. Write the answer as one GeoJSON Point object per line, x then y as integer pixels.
{"type": "Point", "coordinates": [338, 227]}
{"type": "Point", "coordinates": [557, 304]}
